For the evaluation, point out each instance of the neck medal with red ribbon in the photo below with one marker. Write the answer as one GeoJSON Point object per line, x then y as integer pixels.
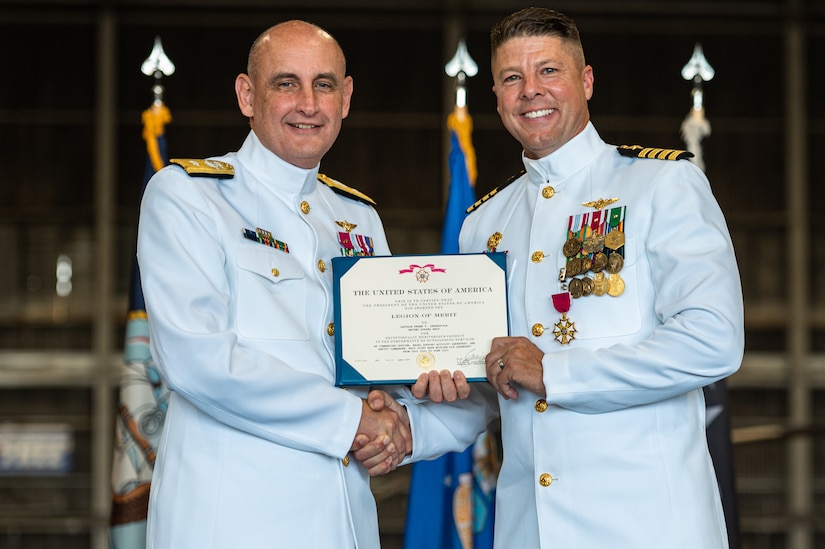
{"type": "Point", "coordinates": [594, 244]}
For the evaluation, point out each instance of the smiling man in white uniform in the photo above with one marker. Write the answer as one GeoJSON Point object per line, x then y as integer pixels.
{"type": "Point", "coordinates": [235, 257]}
{"type": "Point", "coordinates": [625, 301]}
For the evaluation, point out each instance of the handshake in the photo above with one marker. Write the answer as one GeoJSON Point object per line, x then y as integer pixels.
{"type": "Point", "coordinates": [384, 437]}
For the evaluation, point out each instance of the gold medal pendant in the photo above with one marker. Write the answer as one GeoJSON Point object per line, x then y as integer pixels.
{"type": "Point", "coordinates": [615, 285]}
{"type": "Point", "coordinates": [614, 240]}
{"type": "Point", "coordinates": [599, 284]}
{"type": "Point", "coordinates": [564, 331]}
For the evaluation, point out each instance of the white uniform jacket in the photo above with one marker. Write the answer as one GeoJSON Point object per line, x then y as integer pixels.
{"type": "Point", "coordinates": [616, 456]}
{"type": "Point", "coordinates": [238, 285]}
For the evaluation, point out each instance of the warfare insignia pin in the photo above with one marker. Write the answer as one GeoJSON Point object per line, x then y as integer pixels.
{"type": "Point", "coordinates": [346, 225]}
{"type": "Point", "coordinates": [600, 203]}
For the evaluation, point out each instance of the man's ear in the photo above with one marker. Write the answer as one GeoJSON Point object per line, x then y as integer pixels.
{"type": "Point", "coordinates": [244, 91]}
{"type": "Point", "coordinates": [588, 78]}
{"type": "Point", "coordinates": [348, 87]}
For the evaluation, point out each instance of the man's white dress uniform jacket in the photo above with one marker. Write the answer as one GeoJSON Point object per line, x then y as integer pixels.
{"type": "Point", "coordinates": [254, 448]}
{"type": "Point", "coordinates": [616, 454]}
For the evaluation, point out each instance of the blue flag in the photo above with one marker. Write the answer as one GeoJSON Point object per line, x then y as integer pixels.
{"type": "Point", "coordinates": [452, 498]}
{"type": "Point", "coordinates": [143, 397]}
{"type": "Point", "coordinates": [461, 196]}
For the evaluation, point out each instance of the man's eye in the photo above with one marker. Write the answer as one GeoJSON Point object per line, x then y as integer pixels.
{"type": "Point", "coordinates": [511, 78]}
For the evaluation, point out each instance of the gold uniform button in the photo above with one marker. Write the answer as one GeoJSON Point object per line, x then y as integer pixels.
{"type": "Point", "coordinates": [545, 479]}
{"type": "Point", "coordinates": [275, 272]}
{"type": "Point", "coordinates": [541, 405]}
{"type": "Point", "coordinates": [537, 256]}
{"type": "Point", "coordinates": [345, 461]}
{"type": "Point", "coordinates": [321, 265]}
{"type": "Point", "coordinates": [305, 207]}
{"type": "Point", "coordinates": [548, 192]}
{"type": "Point", "coordinates": [331, 329]}
{"type": "Point", "coordinates": [537, 329]}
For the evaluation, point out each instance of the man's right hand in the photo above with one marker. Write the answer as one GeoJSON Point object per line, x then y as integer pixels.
{"type": "Point", "coordinates": [383, 438]}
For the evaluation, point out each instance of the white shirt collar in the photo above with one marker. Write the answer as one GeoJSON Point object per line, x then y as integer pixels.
{"type": "Point", "coordinates": [567, 160]}
{"type": "Point", "coordinates": [274, 172]}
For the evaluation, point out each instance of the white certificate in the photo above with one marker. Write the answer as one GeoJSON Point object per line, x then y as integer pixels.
{"type": "Point", "coordinates": [399, 316]}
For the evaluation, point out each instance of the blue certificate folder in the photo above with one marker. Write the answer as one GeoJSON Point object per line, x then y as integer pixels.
{"type": "Point", "coordinates": [399, 316]}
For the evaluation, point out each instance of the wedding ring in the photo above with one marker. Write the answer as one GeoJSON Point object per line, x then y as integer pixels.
{"type": "Point", "coordinates": [501, 364]}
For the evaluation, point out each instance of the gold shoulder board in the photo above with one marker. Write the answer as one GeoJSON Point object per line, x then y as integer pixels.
{"type": "Point", "coordinates": [637, 151]}
{"type": "Point", "coordinates": [495, 191]}
{"type": "Point", "coordinates": [342, 189]}
{"type": "Point", "coordinates": [205, 167]}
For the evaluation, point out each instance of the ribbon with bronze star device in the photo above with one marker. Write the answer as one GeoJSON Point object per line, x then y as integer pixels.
{"type": "Point", "coordinates": [355, 245]}
{"type": "Point", "coordinates": [594, 243]}
{"type": "Point", "coordinates": [264, 237]}
{"type": "Point", "coordinates": [362, 245]}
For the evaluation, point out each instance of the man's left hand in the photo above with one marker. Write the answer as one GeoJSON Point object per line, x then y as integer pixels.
{"type": "Point", "coordinates": [441, 385]}
{"type": "Point", "coordinates": [515, 361]}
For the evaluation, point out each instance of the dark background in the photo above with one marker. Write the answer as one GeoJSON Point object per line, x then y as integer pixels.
{"type": "Point", "coordinates": [73, 158]}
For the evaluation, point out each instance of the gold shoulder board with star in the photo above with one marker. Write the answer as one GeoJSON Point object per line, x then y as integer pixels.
{"type": "Point", "coordinates": [342, 189]}
{"type": "Point", "coordinates": [205, 167]}
{"type": "Point", "coordinates": [637, 151]}
{"type": "Point", "coordinates": [495, 191]}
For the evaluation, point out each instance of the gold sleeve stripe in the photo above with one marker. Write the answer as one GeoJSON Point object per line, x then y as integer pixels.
{"type": "Point", "coordinates": [637, 151]}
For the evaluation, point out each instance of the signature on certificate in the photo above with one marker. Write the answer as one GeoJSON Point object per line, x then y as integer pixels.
{"type": "Point", "coordinates": [472, 357]}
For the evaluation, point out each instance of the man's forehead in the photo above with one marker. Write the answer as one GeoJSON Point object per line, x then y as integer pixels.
{"type": "Point", "coordinates": [321, 58]}
{"type": "Point", "coordinates": [305, 74]}
{"type": "Point", "coordinates": [301, 63]}
{"type": "Point", "coordinates": [536, 49]}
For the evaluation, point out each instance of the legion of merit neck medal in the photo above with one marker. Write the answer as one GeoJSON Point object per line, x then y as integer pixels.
{"type": "Point", "coordinates": [594, 245]}
{"type": "Point", "coordinates": [564, 331]}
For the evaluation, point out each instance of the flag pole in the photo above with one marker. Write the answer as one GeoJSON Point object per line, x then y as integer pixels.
{"type": "Point", "coordinates": [695, 128]}
{"type": "Point", "coordinates": [462, 155]}
{"type": "Point", "coordinates": [450, 504]}
{"type": "Point", "coordinates": [142, 396]}
{"type": "Point", "coordinates": [157, 115]}
{"type": "Point", "coordinates": [460, 67]}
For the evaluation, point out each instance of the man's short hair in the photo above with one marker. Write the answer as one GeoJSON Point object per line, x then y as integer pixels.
{"type": "Point", "coordinates": [536, 22]}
